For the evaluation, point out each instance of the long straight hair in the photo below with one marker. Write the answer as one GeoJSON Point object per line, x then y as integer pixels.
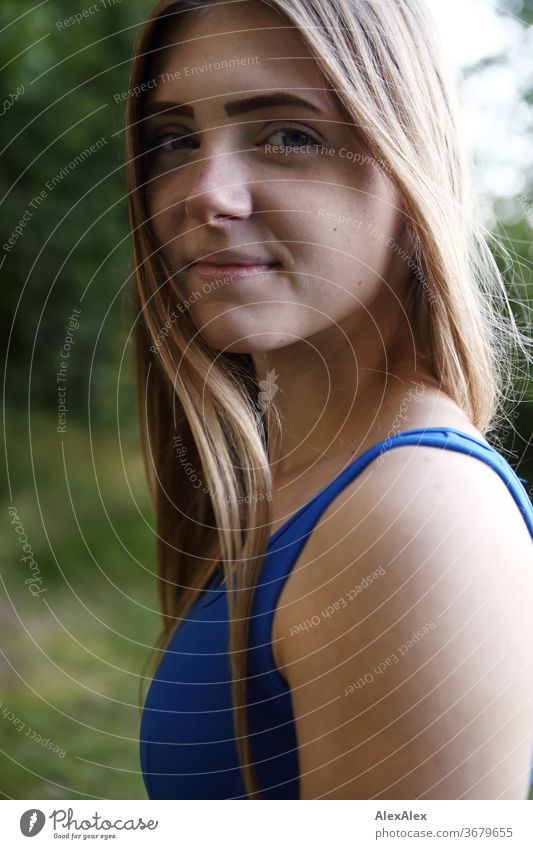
{"type": "Point", "coordinates": [206, 446]}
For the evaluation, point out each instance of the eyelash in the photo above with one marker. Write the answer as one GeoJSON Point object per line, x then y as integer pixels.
{"type": "Point", "coordinates": [158, 149]}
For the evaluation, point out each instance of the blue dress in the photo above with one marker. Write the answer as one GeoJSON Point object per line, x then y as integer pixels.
{"type": "Point", "coordinates": [187, 745]}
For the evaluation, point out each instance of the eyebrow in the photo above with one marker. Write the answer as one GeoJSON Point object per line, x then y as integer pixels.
{"type": "Point", "coordinates": [235, 107]}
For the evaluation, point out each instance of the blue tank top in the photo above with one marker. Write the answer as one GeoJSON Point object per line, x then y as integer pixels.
{"type": "Point", "coordinates": [187, 739]}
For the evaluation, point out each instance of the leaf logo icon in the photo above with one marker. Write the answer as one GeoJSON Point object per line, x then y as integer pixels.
{"type": "Point", "coordinates": [268, 389]}
{"type": "Point", "coordinates": [32, 822]}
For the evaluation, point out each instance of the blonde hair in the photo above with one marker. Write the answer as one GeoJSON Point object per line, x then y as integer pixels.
{"type": "Point", "coordinates": [384, 63]}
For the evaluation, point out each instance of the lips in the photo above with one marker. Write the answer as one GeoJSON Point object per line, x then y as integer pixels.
{"type": "Point", "coordinates": [228, 273]}
{"type": "Point", "coordinates": [221, 259]}
{"type": "Point", "coordinates": [229, 265]}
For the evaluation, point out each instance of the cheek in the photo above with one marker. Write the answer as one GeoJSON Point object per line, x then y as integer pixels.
{"type": "Point", "coordinates": [354, 234]}
{"type": "Point", "coordinates": [325, 223]}
{"type": "Point", "coordinates": [343, 266]}
{"type": "Point", "coordinates": [162, 209]}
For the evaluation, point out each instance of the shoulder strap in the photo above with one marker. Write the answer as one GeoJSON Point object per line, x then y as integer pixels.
{"type": "Point", "coordinates": [439, 437]}
{"type": "Point", "coordinates": [287, 542]}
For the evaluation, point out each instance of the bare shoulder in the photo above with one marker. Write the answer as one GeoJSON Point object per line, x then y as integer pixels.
{"type": "Point", "coordinates": [406, 636]}
{"type": "Point", "coordinates": [429, 497]}
{"type": "Point", "coordinates": [421, 499]}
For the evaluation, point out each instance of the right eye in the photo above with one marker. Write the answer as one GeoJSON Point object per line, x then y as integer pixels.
{"type": "Point", "coordinates": [169, 142]}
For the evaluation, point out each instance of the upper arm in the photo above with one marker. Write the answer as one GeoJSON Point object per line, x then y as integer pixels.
{"type": "Point", "coordinates": [408, 642]}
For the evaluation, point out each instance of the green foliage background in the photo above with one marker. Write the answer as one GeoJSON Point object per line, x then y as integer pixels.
{"type": "Point", "coordinates": [72, 658]}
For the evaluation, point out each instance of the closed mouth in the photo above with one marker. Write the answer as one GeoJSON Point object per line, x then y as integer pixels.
{"type": "Point", "coordinates": [234, 264]}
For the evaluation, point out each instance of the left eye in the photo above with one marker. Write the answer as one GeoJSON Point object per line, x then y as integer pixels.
{"type": "Point", "coordinates": [303, 139]}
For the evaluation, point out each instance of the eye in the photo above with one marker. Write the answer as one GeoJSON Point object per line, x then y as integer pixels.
{"type": "Point", "coordinates": [169, 142]}
{"type": "Point", "coordinates": [300, 138]}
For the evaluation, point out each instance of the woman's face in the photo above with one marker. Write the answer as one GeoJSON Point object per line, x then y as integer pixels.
{"type": "Point", "coordinates": [269, 169]}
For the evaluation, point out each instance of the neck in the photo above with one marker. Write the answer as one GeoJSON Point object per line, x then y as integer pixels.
{"type": "Point", "coordinates": [332, 393]}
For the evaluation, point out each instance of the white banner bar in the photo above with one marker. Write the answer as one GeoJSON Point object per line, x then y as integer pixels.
{"type": "Point", "coordinates": [309, 824]}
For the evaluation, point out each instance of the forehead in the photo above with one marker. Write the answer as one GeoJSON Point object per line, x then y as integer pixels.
{"type": "Point", "coordinates": [232, 48]}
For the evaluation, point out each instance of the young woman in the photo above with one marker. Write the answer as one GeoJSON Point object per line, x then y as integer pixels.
{"type": "Point", "coordinates": [341, 620]}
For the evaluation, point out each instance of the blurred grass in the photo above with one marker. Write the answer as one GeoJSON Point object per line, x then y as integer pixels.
{"type": "Point", "coordinates": [73, 656]}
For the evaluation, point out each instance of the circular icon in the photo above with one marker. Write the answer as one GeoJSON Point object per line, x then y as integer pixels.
{"type": "Point", "coordinates": [31, 822]}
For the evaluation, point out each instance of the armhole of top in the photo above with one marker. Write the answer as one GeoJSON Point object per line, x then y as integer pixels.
{"type": "Point", "coordinates": [270, 680]}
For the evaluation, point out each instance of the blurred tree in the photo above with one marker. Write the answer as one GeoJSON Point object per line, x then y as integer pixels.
{"type": "Point", "coordinates": [67, 199]}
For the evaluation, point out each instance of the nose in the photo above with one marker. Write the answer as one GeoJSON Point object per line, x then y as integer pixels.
{"type": "Point", "coordinates": [217, 188]}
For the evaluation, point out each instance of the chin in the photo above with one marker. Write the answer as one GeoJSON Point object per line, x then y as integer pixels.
{"type": "Point", "coordinates": [243, 340]}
